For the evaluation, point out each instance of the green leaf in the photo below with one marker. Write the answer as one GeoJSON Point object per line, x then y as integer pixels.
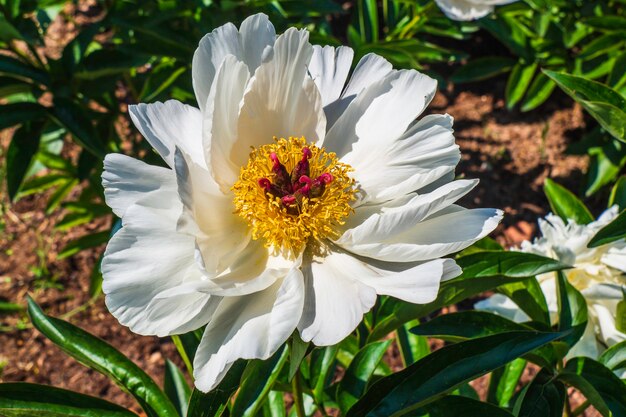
{"type": "Point", "coordinates": [602, 45]}
{"type": "Point", "coordinates": [60, 193]}
{"type": "Point", "coordinates": [616, 230]}
{"type": "Point", "coordinates": [481, 69]}
{"type": "Point", "coordinates": [256, 383]}
{"type": "Point", "coordinates": [322, 360]}
{"type": "Point", "coordinates": [565, 204]}
{"type": "Point", "coordinates": [18, 113]}
{"type": "Point", "coordinates": [483, 271]}
{"type": "Point", "coordinates": [518, 82]}
{"type": "Point", "coordinates": [538, 92]}
{"type": "Point", "coordinates": [20, 154]}
{"type": "Point", "coordinates": [22, 399]}
{"type": "Point", "coordinates": [617, 77]}
{"type": "Point", "coordinates": [609, 23]}
{"type": "Point", "coordinates": [444, 370]}
{"type": "Point", "coordinates": [106, 62]}
{"type": "Point", "coordinates": [358, 374]}
{"type": "Point", "coordinates": [614, 357]}
{"type": "Point", "coordinates": [73, 117]}
{"type": "Point", "coordinates": [297, 353]}
{"type": "Point", "coordinates": [90, 240]}
{"type": "Point", "coordinates": [602, 102]}
{"type": "Point", "coordinates": [40, 184]}
{"type": "Point", "coordinates": [605, 163]}
{"type": "Point", "coordinates": [605, 391]}
{"type": "Point", "coordinates": [6, 307]}
{"type": "Point", "coordinates": [611, 118]}
{"type": "Point", "coordinates": [275, 405]}
{"type": "Point", "coordinates": [544, 397]}
{"type": "Point", "coordinates": [176, 388]}
{"type": "Point", "coordinates": [213, 404]}
{"type": "Point", "coordinates": [412, 347]}
{"type": "Point", "coordinates": [504, 381]}
{"type": "Point", "coordinates": [618, 194]}
{"type": "Point", "coordinates": [572, 310]}
{"type": "Point", "coordinates": [529, 296]}
{"type": "Point", "coordinates": [104, 358]}
{"type": "Point", "coordinates": [467, 325]}
{"type": "Point", "coordinates": [507, 264]}
{"type": "Point", "coordinates": [15, 68]}
{"type": "Point", "coordinates": [187, 344]}
{"type": "Point", "coordinates": [455, 406]}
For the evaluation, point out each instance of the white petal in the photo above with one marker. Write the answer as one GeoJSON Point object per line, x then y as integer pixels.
{"type": "Point", "coordinates": [208, 215]}
{"type": "Point", "coordinates": [425, 153]}
{"type": "Point", "coordinates": [448, 231]}
{"type": "Point", "coordinates": [605, 317]}
{"type": "Point", "coordinates": [587, 345]}
{"type": "Point", "coordinates": [370, 69]}
{"type": "Point", "coordinates": [248, 327]}
{"type": "Point", "coordinates": [169, 125]}
{"type": "Point", "coordinates": [335, 300]}
{"type": "Point", "coordinates": [138, 265]}
{"type": "Point", "coordinates": [281, 101]}
{"type": "Point", "coordinates": [212, 50]}
{"type": "Point", "coordinates": [220, 120]}
{"type": "Point", "coordinates": [502, 306]}
{"type": "Point", "coordinates": [127, 180]}
{"type": "Point", "coordinates": [603, 291]}
{"type": "Point", "coordinates": [381, 223]}
{"type": "Point", "coordinates": [398, 99]}
{"type": "Point", "coordinates": [615, 256]}
{"type": "Point", "coordinates": [412, 282]}
{"type": "Point", "coordinates": [329, 68]}
{"type": "Point", "coordinates": [468, 9]}
{"type": "Point", "coordinates": [257, 33]}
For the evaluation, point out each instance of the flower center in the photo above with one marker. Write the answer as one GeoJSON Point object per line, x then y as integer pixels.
{"type": "Point", "coordinates": [292, 194]}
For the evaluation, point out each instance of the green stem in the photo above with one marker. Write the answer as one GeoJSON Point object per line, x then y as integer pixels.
{"type": "Point", "coordinates": [297, 395]}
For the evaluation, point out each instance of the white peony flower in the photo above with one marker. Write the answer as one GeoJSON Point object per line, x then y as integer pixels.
{"type": "Point", "coordinates": [598, 274]}
{"type": "Point", "coordinates": [469, 9]}
{"type": "Point", "coordinates": [289, 200]}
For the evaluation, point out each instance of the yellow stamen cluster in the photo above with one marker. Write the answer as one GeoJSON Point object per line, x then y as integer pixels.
{"type": "Point", "coordinates": [315, 218]}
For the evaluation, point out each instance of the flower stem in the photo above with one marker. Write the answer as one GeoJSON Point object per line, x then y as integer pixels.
{"type": "Point", "coordinates": [297, 395]}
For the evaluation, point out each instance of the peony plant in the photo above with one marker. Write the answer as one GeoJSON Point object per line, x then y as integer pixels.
{"type": "Point", "coordinates": [301, 228]}
{"type": "Point", "coordinates": [290, 201]}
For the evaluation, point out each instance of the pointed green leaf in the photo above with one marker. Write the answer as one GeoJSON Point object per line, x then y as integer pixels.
{"type": "Point", "coordinates": [565, 204]}
{"type": "Point", "coordinates": [23, 399]}
{"type": "Point", "coordinates": [256, 383]}
{"type": "Point", "coordinates": [213, 404]}
{"type": "Point", "coordinates": [18, 113]}
{"type": "Point", "coordinates": [176, 388]}
{"type": "Point", "coordinates": [361, 369]}
{"type": "Point", "coordinates": [443, 370]}
{"type": "Point", "coordinates": [481, 69]}
{"type": "Point", "coordinates": [20, 154]}
{"type": "Point", "coordinates": [614, 357]}
{"type": "Point", "coordinates": [104, 358]}
{"type": "Point", "coordinates": [455, 406]}
{"type": "Point", "coordinates": [544, 397]}
{"type": "Point", "coordinates": [605, 391]}
{"type": "Point", "coordinates": [616, 230]}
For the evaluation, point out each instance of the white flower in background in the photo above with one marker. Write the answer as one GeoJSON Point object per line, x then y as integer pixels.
{"type": "Point", "coordinates": [598, 274]}
{"type": "Point", "coordinates": [469, 9]}
{"type": "Point", "coordinates": [289, 200]}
